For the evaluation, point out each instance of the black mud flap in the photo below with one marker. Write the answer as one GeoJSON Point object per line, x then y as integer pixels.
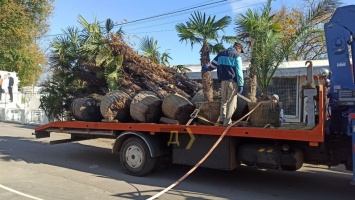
{"type": "Point", "coordinates": [41, 134]}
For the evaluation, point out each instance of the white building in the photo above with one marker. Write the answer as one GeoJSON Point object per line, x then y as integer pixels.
{"type": "Point", "coordinates": [24, 108]}
{"type": "Point", "coordinates": [5, 84]}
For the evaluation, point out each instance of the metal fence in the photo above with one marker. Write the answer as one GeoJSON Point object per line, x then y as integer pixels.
{"type": "Point", "coordinates": [23, 109]}
{"type": "Point", "coordinates": [286, 87]}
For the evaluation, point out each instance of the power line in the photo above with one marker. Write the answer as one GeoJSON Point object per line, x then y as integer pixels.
{"type": "Point", "coordinates": [170, 13]}
{"type": "Point", "coordinates": [173, 13]}
{"type": "Point", "coordinates": [178, 14]}
{"type": "Point", "coordinates": [185, 19]}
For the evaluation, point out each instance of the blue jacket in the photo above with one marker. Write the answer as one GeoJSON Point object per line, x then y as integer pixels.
{"type": "Point", "coordinates": [229, 66]}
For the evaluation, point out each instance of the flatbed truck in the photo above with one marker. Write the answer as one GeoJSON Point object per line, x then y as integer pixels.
{"type": "Point", "coordinates": [328, 137]}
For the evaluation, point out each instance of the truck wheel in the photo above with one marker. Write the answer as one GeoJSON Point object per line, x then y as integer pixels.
{"type": "Point", "coordinates": [294, 162]}
{"type": "Point", "coordinates": [135, 157]}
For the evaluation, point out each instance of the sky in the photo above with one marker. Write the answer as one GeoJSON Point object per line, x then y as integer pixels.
{"type": "Point", "coordinates": [138, 18]}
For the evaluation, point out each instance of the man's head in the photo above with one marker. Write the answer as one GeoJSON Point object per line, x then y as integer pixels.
{"type": "Point", "coordinates": [8, 74]}
{"type": "Point", "coordinates": [238, 47]}
{"type": "Point", "coordinates": [275, 98]}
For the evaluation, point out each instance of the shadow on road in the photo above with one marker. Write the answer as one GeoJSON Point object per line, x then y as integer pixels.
{"type": "Point", "coordinates": [101, 162]}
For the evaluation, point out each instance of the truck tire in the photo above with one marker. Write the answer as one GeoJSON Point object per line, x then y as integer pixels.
{"type": "Point", "coordinates": [135, 157]}
{"type": "Point", "coordinates": [293, 163]}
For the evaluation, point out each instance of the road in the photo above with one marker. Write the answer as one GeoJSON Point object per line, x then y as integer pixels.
{"type": "Point", "coordinates": [33, 169]}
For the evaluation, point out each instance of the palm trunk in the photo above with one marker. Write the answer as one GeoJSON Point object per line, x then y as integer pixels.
{"type": "Point", "coordinates": [206, 75]}
{"type": "Point", "coordinates": [207, 86]}
{"type": "Point", "coordinates": [253, 81]}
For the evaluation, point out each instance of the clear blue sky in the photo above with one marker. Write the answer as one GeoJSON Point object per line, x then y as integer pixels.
{"type": "Point", "coordinates": [161, 28]}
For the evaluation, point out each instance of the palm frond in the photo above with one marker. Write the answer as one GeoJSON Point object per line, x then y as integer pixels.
{"type": "Point", "coordinates": [109, 25]}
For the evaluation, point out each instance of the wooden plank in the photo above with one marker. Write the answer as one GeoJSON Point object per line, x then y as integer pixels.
{"type": "Point", "coordinates": [166, 120]}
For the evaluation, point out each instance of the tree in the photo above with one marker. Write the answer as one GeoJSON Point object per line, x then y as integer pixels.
{"type": "Point", "coordinates": [268, 46]}
{"type": "Point", "coordinates": [96, 46]}
{"type": "Point", "coordinates": [22, 22]}
{"type": "Point", "coordinates": [202, 30]}
{"type": "Point", "coordinates": [182, 69]}
{"type": "Point", "coordinates": [29, 64]}
{"type": "Point", "coordinates": [165, 57]}
{"type": "Point", "coordinates": [308, 26]}
{"type": "Point", "coordinates": [54, 100]}
{"type": "Point", "coordinates": [89, 61]}
{"type": "Point", "coordinates": [311, 45]}
{"type": "Point", "coordinates": [149, 48]}
{"type": "Point", "coordinates": [88, 54]}
{"type": "Point", "coordinates": [257, 29]}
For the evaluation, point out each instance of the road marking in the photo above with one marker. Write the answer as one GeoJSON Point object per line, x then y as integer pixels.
{"type": "Point", "coordinates": [19, 193]}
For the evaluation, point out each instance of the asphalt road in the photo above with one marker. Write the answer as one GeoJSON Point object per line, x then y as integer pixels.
{"type": "Point", "coordinates": [32, 169]}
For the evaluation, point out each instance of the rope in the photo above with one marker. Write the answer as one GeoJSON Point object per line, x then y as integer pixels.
{"type": "Point", "coordinates": [206, 120]}
{"type": "Point", "coordinates": [207, 154]}
{"type": "Point", "coordinates": [194, 114]}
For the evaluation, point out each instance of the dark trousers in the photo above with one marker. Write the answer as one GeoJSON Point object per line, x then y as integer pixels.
{"type": "Point", "coordinates": [0, 91]}
{"type": "Point", "coordinates": [10, 93]}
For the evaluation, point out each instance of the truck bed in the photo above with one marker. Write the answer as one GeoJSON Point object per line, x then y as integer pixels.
{"type": "Point", "coordinates": [288, 131]}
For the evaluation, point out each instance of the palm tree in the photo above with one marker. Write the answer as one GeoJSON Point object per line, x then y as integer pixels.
{"type": "Point", "coordinates": [262, 33]}
{"type": "Point", "coordinates": [182, 69]}
{"type": "Point", "coordinates": [86, 56]}
{"type": "Point", "coordinates": [202, 30]}
{"type": "Point", "coordinates": [164, 58]}
{"type": "Point", "coordinates": [96, 46]}
{"type": "Point", "coordinates": [65, 52]}
{"type": "Point", "coordinates": [149, 48]}
{"type": "Point", "coordinates": [55, 94]}
{"type": "Point", "coordinates": [268, 46]}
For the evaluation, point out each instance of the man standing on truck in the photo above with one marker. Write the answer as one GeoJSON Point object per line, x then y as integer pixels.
{"type": "Point", "coordinates": [229, 71]}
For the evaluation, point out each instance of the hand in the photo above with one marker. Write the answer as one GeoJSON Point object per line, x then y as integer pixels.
{"type": "Point", "coordinates": [240, 89]}
{"type": "Point", "coordinates": [205, 68]}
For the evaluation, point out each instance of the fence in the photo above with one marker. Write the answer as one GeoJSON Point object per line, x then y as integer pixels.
{"type": "Point", "coordinates": [23, 109]}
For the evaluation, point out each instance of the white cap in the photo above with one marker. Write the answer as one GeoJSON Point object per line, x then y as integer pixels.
{"type": "Point", "coordinates": [276, 96]}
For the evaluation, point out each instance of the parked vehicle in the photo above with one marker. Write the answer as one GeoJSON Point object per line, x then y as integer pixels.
{"type": "Point", "coordinates": [327, 138]}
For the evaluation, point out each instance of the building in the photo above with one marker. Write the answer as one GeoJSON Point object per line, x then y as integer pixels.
{"type": "Point", "coordinates": [5, 95]}
{"type": "Point", "coordinates": [24, 108]}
